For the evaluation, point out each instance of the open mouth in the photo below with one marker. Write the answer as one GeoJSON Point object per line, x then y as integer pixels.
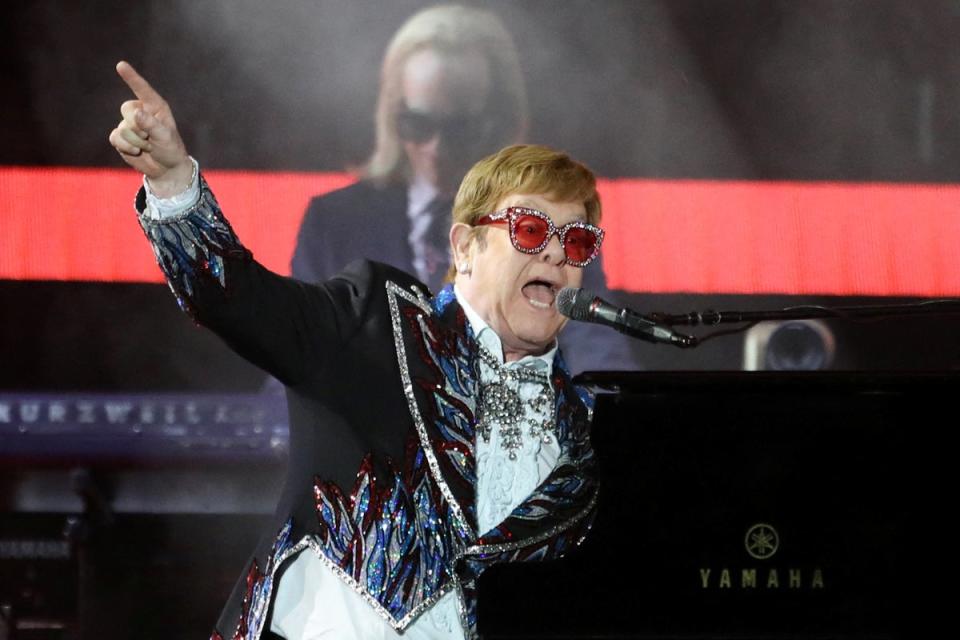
{"type": "Point", "coordinates": [540, 293]}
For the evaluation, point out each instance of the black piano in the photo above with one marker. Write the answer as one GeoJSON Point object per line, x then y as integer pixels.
{"type": "Point", "coordinates": [754, 505]}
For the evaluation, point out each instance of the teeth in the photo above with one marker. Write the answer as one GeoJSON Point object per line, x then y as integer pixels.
{"type": "Point", "coordinates": [540, 293]}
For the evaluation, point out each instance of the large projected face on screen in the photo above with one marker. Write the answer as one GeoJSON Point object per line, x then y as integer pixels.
{"type": "Point", "coordinates": [442, 120]}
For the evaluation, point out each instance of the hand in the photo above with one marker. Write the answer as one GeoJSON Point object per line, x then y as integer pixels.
{"type": "Point", "coordinates": [147, 137]}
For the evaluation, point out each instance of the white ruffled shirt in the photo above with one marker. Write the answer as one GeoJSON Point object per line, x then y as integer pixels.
{"type": "Point", "coordinates": [311, 601]}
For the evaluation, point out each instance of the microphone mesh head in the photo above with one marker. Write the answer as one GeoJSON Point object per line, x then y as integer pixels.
{"type": "Point", "coordinates": [574, 303]}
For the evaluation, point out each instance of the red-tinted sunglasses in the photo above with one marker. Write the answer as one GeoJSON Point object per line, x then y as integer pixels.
{"type": "Point", "coordinates": [531, 230]}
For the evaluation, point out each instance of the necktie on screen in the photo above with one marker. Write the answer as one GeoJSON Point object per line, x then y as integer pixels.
{"type": "Point", "coordinates": [436, 242]}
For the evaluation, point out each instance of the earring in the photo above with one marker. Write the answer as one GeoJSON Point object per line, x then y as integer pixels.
{"type": "Point", "coordinates": [463, 269]}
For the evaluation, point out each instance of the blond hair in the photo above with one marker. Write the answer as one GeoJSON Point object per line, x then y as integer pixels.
{"type": "Point", "coordinates": [527, 169]}
{"type": "Point", "coordinates": [454, 30]}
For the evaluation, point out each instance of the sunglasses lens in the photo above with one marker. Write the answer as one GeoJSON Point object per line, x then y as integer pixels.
{"type": "Point", "coordinates": [580, 244]}
{"type": "Point", "coordinates": [415, 127]}
{"type": "Point", "coordinates": [419, 127]}
{"type": "Point", "coordinates": [530, 231]}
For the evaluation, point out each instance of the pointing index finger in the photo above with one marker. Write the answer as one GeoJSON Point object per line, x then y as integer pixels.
{"type": "Point", "coordinates": [140, 87]}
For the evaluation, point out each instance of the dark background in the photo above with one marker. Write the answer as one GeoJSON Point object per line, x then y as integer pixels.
{"type": "Point", "coordinates": [862, 90]}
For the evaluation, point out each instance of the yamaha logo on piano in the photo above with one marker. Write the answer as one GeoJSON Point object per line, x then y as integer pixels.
{"type": "Point", "coordinates": [761, 542]}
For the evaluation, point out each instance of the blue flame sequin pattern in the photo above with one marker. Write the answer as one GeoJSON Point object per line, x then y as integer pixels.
{"type": "Point", "coordinates": [191, 247]}
{"type": "Point", "coordinates": [387, 538]}
{"type": "Point", "coordinates": [256, 600]}
{"type": "Point", "coordinates": [396, 539]}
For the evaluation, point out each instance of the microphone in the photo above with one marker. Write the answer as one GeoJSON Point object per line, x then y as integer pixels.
{"type": "Point", "coordinates": [582, 305]}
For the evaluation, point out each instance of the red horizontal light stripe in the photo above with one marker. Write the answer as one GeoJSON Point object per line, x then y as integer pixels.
{"type": "Point", "coordinates": [79, 224]}
{"type": "Point", "coordinates": [663, 236]}
{"type": "Point", "coordinates": [783, 237]}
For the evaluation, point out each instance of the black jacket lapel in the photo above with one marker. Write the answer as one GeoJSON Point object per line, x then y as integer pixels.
{"type": "Point", "coordinates": [438, 365]}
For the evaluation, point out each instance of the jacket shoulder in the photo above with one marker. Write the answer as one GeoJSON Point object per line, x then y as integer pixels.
{"type": "Point", "coordinates": [371, 277]}
{"type": "Point", "coordinates": [362, 199]}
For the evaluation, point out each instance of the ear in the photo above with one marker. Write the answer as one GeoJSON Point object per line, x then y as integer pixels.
{"type": "Point", "coordinates": [461, 243]}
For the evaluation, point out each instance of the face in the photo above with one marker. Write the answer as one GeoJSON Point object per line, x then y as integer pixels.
{"type": "Point", "coordinates": [515, 292]}
{"type": "Point", "coordinates": [450, 90]}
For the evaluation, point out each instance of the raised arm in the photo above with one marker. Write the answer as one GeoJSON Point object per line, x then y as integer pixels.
{"type": "Point", "coordinates": [286, 327]}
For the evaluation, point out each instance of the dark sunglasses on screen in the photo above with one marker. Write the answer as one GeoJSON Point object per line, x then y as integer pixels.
{"type": "Point", "coordinates": [420, 127]}
{"type": "Point", "coordinates": [531, 230]}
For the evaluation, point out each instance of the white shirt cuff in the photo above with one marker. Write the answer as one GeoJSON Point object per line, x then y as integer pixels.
{"type": "Point", "coordinates": [159, 209]}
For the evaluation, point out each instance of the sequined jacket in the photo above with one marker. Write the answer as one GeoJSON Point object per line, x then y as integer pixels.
{"type": "Point", "coordinates": [382, 384]}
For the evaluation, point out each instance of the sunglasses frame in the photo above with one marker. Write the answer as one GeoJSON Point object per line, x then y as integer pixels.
{"type": "Point", "coordinates": [510, 215]}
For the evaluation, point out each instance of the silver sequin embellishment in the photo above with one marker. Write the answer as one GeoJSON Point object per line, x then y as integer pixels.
{"type": "Point", "coordinates": [500, 404]}
{"type": "Point", "coordinates": [394, 291]}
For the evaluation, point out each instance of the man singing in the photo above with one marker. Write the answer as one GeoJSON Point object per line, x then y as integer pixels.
{"type": "Point", "coordinates": [429, 437]}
